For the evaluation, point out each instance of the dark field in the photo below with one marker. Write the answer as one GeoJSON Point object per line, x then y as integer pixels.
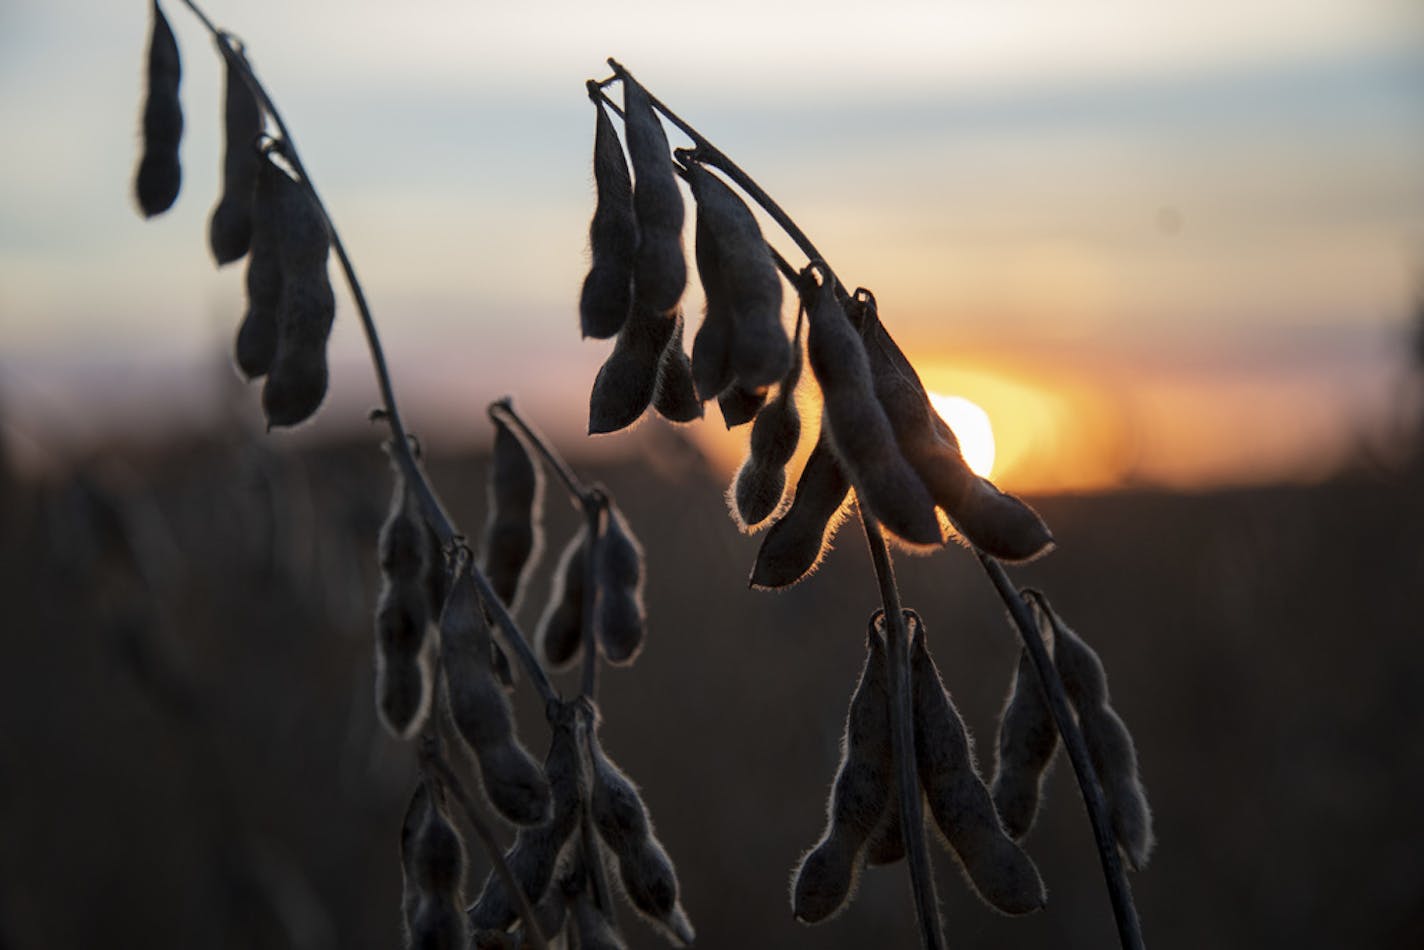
{"type": "Point", "coordinates": [190, 756]}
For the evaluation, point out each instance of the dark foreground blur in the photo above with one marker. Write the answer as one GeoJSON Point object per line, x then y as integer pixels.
{"type": "Point", "coordinates": [189, 755]}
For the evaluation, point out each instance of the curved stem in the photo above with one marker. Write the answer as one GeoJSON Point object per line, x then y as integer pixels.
{"type": "Point", "coordinates": [902, 739]}
{"type": "Point", "coordinates": [431, 509]}
{"type": "Point", "coordinates": [1129, 928]}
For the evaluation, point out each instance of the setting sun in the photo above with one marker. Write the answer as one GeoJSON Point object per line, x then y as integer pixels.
{"type": "Point", "coordinates": [971, 425]}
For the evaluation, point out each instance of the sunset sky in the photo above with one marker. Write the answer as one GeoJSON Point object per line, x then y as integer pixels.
{"type": "Point", "coordinates": [1164, 243]}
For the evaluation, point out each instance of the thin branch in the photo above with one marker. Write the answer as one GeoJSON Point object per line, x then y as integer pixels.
{"type": "Point", "coordinates": [435, 765]}
{"type": "Point", "coordinates": [902, 739]}
{"type": "Point", "coordinates": [433, 511]}
{"type": "Point", "coordinates": [1129, 928]}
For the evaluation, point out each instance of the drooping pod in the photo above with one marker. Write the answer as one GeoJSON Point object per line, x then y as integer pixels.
{"type": "Point", "coordinates": [296, 382]}
{"type": "Point", "coordinates": [863, 788]}
{"type": "Point", "coordinates": [644, 868]}
{"type": "Point", "coordinates": [558, 637]}
{"type": "Point", "coordinates": [512, 532]}
{"type": "Point", "coordinates": [996, 523]}
{"type": "Point", "coordinates": [592, 927]}
{"type": "Point", "coordinates": [739, 405]}
{"type": "Point", "coordinates": [439, 872]}
{"type": "Point", "coordinates": [760, 483]}
{"type": "Point", "coordinates": [997, 869]}
{"type": "Point", "coordinates": [660, 269]}
{"type": "Point", "coordinates": [1026, 744]}
{"type": "Point", "coordinates": [676, 396]}
{"type": "Point", "coordinates": [1110, 746]}
{"type": "Point", "coordinates": [886, 844]}
{"type": "Point", "coordinates": [534, 855]}
{"type": "Point", "coordinates": [799, 538]}
{"type": "Point", "coordinates": [621, 614]}
{"type": "Point", "coordinates": [513, 781]}
{"type": "Point", "coordinates": [256, 345]}
{"type": "Point", "coordinates": [230, 227]}
{"type": "Point", "coordinates": [403, 687]}
{"type": "Point", "coordinates": [861, 434]}
{"type": "Point", "coordinates": [628, 379]}
{"type": "Point", "coordinates": [741, 282]}
{"type": "Point", "coordinates": [411, 826]}
{"type": "Point", "coordinates": [160, 174]}
{"type": "Point", "coordinates": [607, 293]}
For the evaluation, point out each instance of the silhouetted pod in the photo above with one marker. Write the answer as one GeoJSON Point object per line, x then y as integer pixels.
{"type": "Point", "coordinates": [660, 269]}
{"type": "Point", "coordinates": [996, 523]}
{"type": "Point", "coordinates": [512, 533]}
{"type": "Point", "coordinates": [480, 709]}
{"type": "Point", "coordinates": [1027, 741]}
{"type": "Point", "coordinates": [760, 483]}
{"type": "Point", "coordinates": [439, 860]}
{"type": "Point", "coordinates": [798, 539]}
{"type": "Point", "coordinates": [402, 617]}
{"type": "Point", "coordinates": [628, 379]}
{"type": "Point", "coordinates": [607, 292]}
{"type": "Point", "coordinates": [159, 173]}
{"type": "Point", "coordinates": [257, 337]}
{"type": "Point", "coordinates": [712, 346]}
{"type": "Point", "coordinates": [648, 877]}
{"type": "Point", "coordinates": [860, 432]}
{"type": "Point", "coordinates": [675, 398]}
{"type": "Point", "coordinates": [230, 228]}
{"type": "Point", "coordinates": [411, 826]}
{"type": "Point", "coordinates": [863, 788]}
{"type": "Point", "coordinates": [739, 405]}
{"type": "Point", "coordinates": [621, 615]}
{"type": "Point", "coordinates": [535, 853]}
{"type": "Point", "coordinates": [886, 844]}
{"type": "Point", "coordinates": [1109, 743]}
{"type": "Point", "coordinates": [439, 925]}
{"type": "Point", "coordinates": [558, 637]}
{"type": "Point", "coordinates": [744, 283]}
{"type": "Point", "coordinates": [998, 870]}
{"type": "Point", "coordinates": [296, 383]}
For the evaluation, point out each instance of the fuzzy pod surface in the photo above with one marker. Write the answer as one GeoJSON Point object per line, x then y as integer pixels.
{"type": "Point", "coordinates": [411, 826]}
{"type": "Point", "coordinates": [230, 227]}
{"type": "Point", "coordinates": [515, 784]}
{"type": "Point", "coordinates": [558, 637]}
{"type": "Point", "coordinates": [512, 533]}
{"type": "Point", "coordinates": [1026, 744]}
{"type": "Point", "coordinates": [607, 294]}
{"type": "Point", "coordinates": [798, 539]}
{"type": "Point", "coordinates": [403, 688]}
{"type": "Point", "coordinates": [740, 405]}
{"type": "Point", "coordinates": [675, 398]}
{"type": "Point", "coordinates": [741, 281]}
{"type": "Point", "coordinates": [996, 868]}
{"type": "Point", "coordinates": [622, 618]}
{"type": "Point", "coordinates": [628, 379]}
{"type": "Point", "coordinates": [995, 522]}
{"type": "Point", "coordinates": [827, 874]}
{"type": "Point", "coordinates": [645, 870]}
{"type": "Point", "coordinates": [1110, 746]}
{"type": "Point", "coordinates": [296, 382]}
{"type": "Point", "coordinates": [660, 268]}
{"type": "Point", "coordinates": [861, 434]}
{"type": "Point", "coordinates": [758, 487]}
{"type": "Point", "coordinates": [256, 345]}
{"type": "Point", "coordinates": [534, 856]}
{"type": "Point", "coordinates": [160, 174]}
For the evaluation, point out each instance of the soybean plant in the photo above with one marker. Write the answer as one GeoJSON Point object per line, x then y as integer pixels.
{"type": "Point", "coordinates": [882, 444]}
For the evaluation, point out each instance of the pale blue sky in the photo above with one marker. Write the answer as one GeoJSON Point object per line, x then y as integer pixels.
{"type": "Point", "coordinates": [1003, 174]}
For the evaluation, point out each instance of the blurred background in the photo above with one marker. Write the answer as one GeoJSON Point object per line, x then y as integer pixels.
{"type": "Point", "coordinates": [1176, 256]}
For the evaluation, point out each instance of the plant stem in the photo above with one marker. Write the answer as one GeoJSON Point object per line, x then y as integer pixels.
{"type": "Point", "coordinates": [710, 154]}
{"type": "Point", "coordinates": [433, 511]}
{"type": "Point", "coordinates": [902, 739]}
{"type": "Point", "coordinates": [436, 766]}
{"type": "Point", "coordinates": [1129, 928]}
